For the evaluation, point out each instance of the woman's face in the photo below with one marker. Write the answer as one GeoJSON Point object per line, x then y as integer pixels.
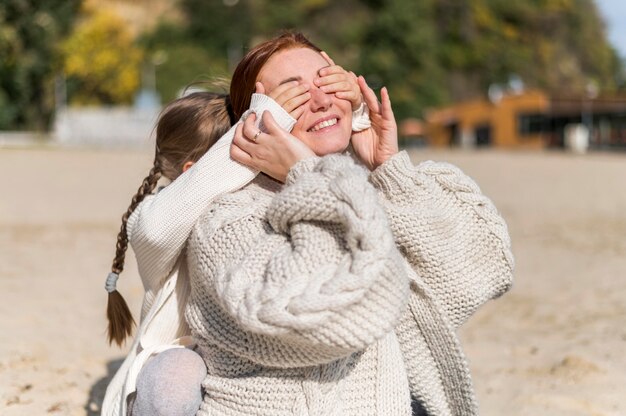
{"type": "Point", "coordinates": [326, 124]}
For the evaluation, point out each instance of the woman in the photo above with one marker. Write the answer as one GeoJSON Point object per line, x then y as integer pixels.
{"type": "Point", "coordinates": [338, 292]}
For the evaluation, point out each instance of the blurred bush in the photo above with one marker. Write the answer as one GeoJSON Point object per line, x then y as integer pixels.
{"type": "Point", "coordinates": [180, 60]}
{"type": "Point", "coordinates": [427, 52]}
{"type": "Point", "coordinates": [29, 34]}
{"type": "Point", "coordinates": [101, 61]}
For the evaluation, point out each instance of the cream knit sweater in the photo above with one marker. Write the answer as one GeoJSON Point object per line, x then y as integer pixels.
{"type": "Point", "coordinates": [327, 297]}
{"type": "Point", "coordinates": [158, 230]}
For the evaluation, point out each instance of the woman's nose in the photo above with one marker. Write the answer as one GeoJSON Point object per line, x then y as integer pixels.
{"type": "Point", "coordinates": [320, 101]}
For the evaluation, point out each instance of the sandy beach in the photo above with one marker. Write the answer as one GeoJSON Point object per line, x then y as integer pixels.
{"type": "Point", "coordinates": [554, 345]}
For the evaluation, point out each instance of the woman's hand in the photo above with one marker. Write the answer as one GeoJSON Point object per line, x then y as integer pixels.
{"type": "Point", "coordinates": [333, 79]}
{"type": "Point", "coordinates": [375, 145]}
{"type": "Point", "coordinates": [290, 96]}
{"type": "Point", "coordinates": [273, 153]}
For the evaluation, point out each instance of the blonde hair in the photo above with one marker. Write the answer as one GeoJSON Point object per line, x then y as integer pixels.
{"type": "Point", "coordinates": [186, 129]}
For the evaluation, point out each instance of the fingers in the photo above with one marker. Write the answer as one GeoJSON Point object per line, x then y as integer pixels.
{"type": "Point", "coordinates": [349, 95]}
{"type": "Point", "coordinates": [335, 79]}
{"type": "Point", "coordinates": [327, 58]}
{"type": "Point", "coordinates": [297, 112]}
{"type": "Point", "coordinates": [236, 152]}
{"type": "Point", "coordinates": [250, 131]}
{"type": "Point", "coordinates": [271, 126]}
{"type": "Point", "coordinates": [259, 88]}
{"type": "Point", "coordinates": [331, 70]}
{"type": "Point", "coordinates": [296, 102]}
{"type": "Point", "coordinates": [369, 95]}
{"type": "Point", "coordinates": [238, 155]}
{"type": "Point", "coordinates": [291, 95]}
{"type": "Point", "coordinates": [387, 111]}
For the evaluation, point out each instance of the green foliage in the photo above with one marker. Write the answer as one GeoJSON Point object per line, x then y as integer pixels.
{"type": "Point", "coordinates": [427, 52]}
{"type": "Point", "coordinates": [401, 54]}
{"type": "Point", "coordinates": [223, 31]}
{"type": "Point", "coordinates": [29, 32]}
{"type": "Point", "coordinates": [182, 61]}
{"type": "Point", "coordinates": [187, 65]}
{"type": "Point", "coordinates": [101, 60]}
{"type": "Point", "coordinates": [553, 44]}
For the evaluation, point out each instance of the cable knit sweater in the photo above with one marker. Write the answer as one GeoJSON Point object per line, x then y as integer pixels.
{"type": "Point", "coordinates": [327, 297]}
{"type": "Point", "coordinates": [158, 230]}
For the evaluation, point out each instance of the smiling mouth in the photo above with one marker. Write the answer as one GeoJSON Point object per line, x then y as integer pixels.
{"type": "Point", "coordinates": [324, 124]}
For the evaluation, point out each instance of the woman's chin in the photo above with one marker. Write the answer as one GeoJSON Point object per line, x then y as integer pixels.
{"type": "Point", "coordinates": [327, 144]}
{"type": "Point", "coordinates": [323, 149]}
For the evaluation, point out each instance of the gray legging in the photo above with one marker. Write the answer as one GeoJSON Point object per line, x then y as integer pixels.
{"type": "Point", "coordinates": [169, 384]}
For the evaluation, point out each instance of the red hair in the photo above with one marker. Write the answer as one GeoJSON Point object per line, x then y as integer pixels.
{"type": "Point", "coordinates": [245, 76]}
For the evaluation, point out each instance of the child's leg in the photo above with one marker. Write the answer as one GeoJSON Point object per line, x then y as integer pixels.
{"type": "Point", "coordinates": [170, 384]}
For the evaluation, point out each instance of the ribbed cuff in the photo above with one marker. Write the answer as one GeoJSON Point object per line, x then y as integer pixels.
{"type": "Point", "coordinates": [303, 166]}
{"type": "Point", "coordinates": [260, 103]}
{"type": "Point", "coordinates": [390, 176]}
{"type": "Point", "coordinates": [361, 118]}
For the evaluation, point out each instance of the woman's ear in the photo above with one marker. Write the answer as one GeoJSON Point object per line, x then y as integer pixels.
{"type": "Point", "coordinates": [187, 165]}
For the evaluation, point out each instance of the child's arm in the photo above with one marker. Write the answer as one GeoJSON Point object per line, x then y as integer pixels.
{"type": "Point", "coordinates": [159, 227]}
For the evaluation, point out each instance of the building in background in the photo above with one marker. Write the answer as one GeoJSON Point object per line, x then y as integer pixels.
{"type": "Point", "coordinates": [530, 119]}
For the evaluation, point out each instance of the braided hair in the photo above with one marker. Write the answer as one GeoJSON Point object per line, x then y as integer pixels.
{"type": "Point", "coordinates": [186, 129]}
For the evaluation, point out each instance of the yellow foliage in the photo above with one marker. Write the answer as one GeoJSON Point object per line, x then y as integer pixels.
{"type": "Point", "coordinates": [510, 32]}
{"type": "Point", "coordinates": [483, 15]}
{"type": "Point", "coordinates": [557, 6]}
{"type": "Point", "coordinates": [102, 56]}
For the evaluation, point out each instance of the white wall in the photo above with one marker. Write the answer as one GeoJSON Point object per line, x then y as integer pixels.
{"type": "Point", "coordinates": [106, 127]}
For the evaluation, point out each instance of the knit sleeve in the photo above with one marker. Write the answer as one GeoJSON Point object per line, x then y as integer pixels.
{"type": "Point", "coordinates": [361, 118]}
{"type": "Point", "coordinates": [323, 279]}
{"type": "Point", "coordinates": [450, 233]}
{"type": "Point", "coordinates": [160, 225]}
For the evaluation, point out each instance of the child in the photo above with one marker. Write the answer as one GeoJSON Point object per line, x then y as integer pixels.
{"type": "Point", "coordinates": [188, 154]}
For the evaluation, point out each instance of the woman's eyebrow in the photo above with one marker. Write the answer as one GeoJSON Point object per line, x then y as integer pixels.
{"type": "Point", "coordinates": [297, 78]}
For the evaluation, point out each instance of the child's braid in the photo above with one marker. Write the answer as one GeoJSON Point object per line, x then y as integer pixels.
{"type": "Point", "coordinates": [120, 318]}
{"type": "Point", "coordinates": [186, 129]}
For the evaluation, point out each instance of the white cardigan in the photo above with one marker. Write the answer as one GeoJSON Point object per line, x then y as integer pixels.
{"type": "Point", "coordinates": [158, 230]}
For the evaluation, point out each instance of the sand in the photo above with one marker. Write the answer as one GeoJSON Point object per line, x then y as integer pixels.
{"type": "Point", "coordinates": [554, 345]}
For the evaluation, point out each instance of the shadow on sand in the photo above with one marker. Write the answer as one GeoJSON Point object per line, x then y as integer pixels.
{"type": "Point", "coordinates": [96, 393]}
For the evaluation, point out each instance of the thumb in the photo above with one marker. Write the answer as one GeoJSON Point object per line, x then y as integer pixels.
{"type": "Point", "coordinates": [269, 125]}
{"type": "Point", "coordinates": [327, 58]}
{"type": "Point", "coordinates": [259, 88]}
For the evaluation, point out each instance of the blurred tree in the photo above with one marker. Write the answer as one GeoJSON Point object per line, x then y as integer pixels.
{"type": "Point", "coordinates": [185, 61]}
{"type": "Point", "coordinates": [427, 52]}
{"type": "Point", "coordinates": [29, 32]}
{"type": "Point", "coordinates": [399, 50]}
{"type": "Point", "coordinates": [557, 45]}
{"type": "Point", "coordinates": [101, 61]}
{"type": "Point", "coordinates": [222, 28]}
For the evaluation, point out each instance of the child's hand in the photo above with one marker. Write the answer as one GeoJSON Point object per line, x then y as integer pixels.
{"type": "Point", "coordinates": [335, 79]}
{"type": "Point", "coordinates": [290, 96]}
{"type": "Point", "coordinates": [273, 153]}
